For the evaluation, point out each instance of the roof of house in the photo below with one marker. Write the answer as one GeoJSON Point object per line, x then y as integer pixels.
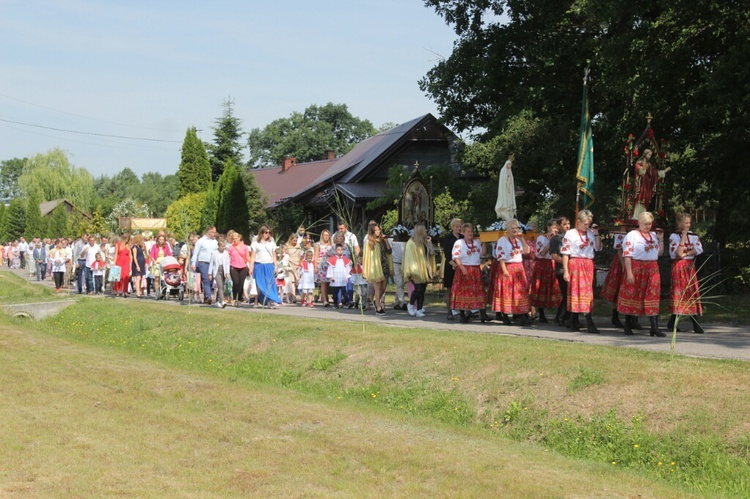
{"type": "Point", "coordinates": [48, 206]}
{"type": "Point", "coordinates": [303, 178]}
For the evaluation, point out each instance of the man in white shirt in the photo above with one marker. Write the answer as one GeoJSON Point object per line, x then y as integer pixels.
{"type": "Point", "coordinates": [23, 249]}
{"type": "Point", "coordinates": [350, 239]}
{"type": "Point", "coordinates": [89, 253]}
{"type": "Point", "coordinates": [204, 248]}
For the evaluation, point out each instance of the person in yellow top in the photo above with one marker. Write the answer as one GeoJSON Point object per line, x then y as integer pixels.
{"type": "Point", "coordinates": [375, 246]}
{"type": "Point", "coordinates": [418, 267]}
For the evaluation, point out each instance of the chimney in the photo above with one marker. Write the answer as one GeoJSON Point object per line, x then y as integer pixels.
{"type": "Point", "coordinates": [287, 163]}
{"type": "Point", "coordinates": [329, 154]}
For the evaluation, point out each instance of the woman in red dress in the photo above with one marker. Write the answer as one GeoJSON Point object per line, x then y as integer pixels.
{"type": "Point", "coordinates": [578, 249]}
{"type": "Point", "coordinates": [684, 293]}
{"type": "Point", "coordinates": [545, 291]}
{"type": "Point", "coordinates": [613, 281]}
{"type": "Point", "coordinates": [511, 286]}
{"type": "Point", "coordinates": [639, 294]}
{"type": "Point", "coordinates": [124, 260]}
{"type": "Point", "coordinates": [467, 292]}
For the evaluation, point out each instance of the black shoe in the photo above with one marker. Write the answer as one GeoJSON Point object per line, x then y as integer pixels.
{"type": "Point", "coordinates": [350, 305]}
{"type": "Point", "coordinates": [464, 317]}
{"type": "Point", "coordinates": [498, 316]}
{"type": "Point", "coordinates": [636, 324]}
{"type": "Point", "coordinates": [542, 317]}
{"type": "Point", "coordinates": [573, 323]}
{"type": "Point", "coordinates": [616, 319]}
{"type": "Point", "coordinates": [524, 320]}
{"type": "Point", "coordinates": [696, 327]}
{"type": "Point", "coordinates": [671, 323]}
{"type": "Point", "coordinates": [483, 316]}
{"type": "Point", "coordinates": [654, 330]}
{"type": "Point", "coordinates": [450, 316]}
{"type": "Point", "coordinates": [506, 320]}
{"type": "Point", "coordinates": [628, 324]}
{"type": "Point", "coordinates": [590, 326]}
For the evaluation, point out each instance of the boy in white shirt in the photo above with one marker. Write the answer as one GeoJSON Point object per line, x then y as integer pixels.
{"type": "Point", "coordinates": [218, 271]}
{"type": "Point", "coordinates": [339, 268]}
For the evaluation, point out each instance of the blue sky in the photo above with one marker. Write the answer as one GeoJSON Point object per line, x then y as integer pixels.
{"type": "Point", "coordinates": [151, 69]}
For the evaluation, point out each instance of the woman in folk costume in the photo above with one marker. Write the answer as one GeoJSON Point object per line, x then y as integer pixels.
{"type": "Point", "coordinates": [684, 292]}
{"type": "Point", "coordinates": [467, 292]}
{"type": "Point", "coordinates": [545, 291]}
{"type": "Point", "coordinates": [639, 294]}
{"type": "Point", "coordinates": [505, 207]}
{"type": "Point", "coordinates": [613, 281]}
{"type": "Point", "coordinates": [418, 267]}
{"type": "Point", "coordinates": [579, 245]}
{"type": "Point", "coordinates": [511, 286]}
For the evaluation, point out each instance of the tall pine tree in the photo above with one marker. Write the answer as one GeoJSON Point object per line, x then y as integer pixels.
{"type": "Point", "coordinates": [58, 223]}
{"type": "Point", "coordinates": [36, 226]}
{"type": "Point", "coordinates": [227, 144]}
{"type": "Point", "coordinates": [194, 173]}
{"type": "Point", "coordinates": [15, 222]}
{"type": "Point", "coordinates": [232, 211]}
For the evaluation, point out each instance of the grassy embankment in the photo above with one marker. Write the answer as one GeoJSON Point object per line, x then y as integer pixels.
{"type": "Point", "coordinates": [288, 405]}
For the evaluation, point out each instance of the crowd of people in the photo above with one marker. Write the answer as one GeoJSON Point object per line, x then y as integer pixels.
{"type": "Point", "coordinates": [523, 279]}
{"type": "Point", "coordinates": [561, 275]}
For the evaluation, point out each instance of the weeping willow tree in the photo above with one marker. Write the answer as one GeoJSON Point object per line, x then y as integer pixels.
{"type": "Point", "coordinates": [52, 176]}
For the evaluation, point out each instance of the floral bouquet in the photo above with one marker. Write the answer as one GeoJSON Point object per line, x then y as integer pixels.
{"type": "Point", "coordinates": [400, 233]}
{"type": "Point", "coordinates": [435, 232]}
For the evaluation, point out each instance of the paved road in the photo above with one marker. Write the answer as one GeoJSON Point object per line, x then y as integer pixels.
{"type": "Point", "coordinates": [720, 341]}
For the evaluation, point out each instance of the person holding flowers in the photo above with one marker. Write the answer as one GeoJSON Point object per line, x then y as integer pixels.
{"type": "Point", "coordinates": [639, 294]}
{"type": "Point", "coordinates": [579, 246]}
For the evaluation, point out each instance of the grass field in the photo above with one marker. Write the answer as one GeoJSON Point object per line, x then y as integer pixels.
{"type": "Point", "coordinates": [682, 423]}
{"type": "Point", "coordinates": [13, 289]}
{"type": "Point", "coordinates": [85, 421]}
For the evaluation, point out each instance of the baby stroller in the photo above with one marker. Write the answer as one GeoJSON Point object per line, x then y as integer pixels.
{"type": "Point", "coordinates": [171, 282]}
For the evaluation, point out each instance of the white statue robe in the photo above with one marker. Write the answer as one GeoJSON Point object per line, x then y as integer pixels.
{"type": "Point", "coordinates": [505, 207]}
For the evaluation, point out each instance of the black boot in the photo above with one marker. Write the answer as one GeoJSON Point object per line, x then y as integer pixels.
{"type": "Point", "coordinates": [655, 331]}
{"type": "Point", "coordinates": [628, 325]}
{"type": "Point", "coordinates": [573, 323]}
{"type": "Point", "coordinates": [671, 322]}
{"type": "Point", "coordinates": [498, 316]}
{"type": "Point", "coordinates": [506, 320]}
{"type": "Point", "coordinates": [483, 316]}
{"type": "Point", "coordinates": [636, 324]}
{"type": "Point", "coordinates": [616, 318]}
{"type": "Point", "coordinates": [464, 317]}
{"type": "Point", "coordinates": [696, 327]}
{"type": "Point", "coordinates": [559, 316]}
{"type": "Point", "coordinates": [542, 317]}
{"type": "Point", "coordinates": [525, 320]}
{"type": "Point", "coordinates": [590, 326]}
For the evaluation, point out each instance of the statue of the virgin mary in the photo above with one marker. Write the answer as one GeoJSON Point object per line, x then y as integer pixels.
{"type": "Point", "coordinates": [505, 207]}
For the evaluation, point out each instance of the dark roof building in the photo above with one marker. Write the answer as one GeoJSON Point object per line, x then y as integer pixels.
{"type": "Point", "coordinates": [360, 175]}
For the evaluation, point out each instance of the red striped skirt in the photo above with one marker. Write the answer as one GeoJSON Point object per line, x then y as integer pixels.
{"type": "Point", "coordinates": [612, 282]}
{"type": "Point", "coordinates": [467, 292]}
{"type": "Point", "coordinates": [511, 295]}
{"type": "Point", "coordinates": [684, 292]}
{"type": "Point", "coordinates": [641, 297]}
{"type": "Point", "coordinates": [490, 292]}
{"type": "Point", "coordinates": [545, 290]}
{"type": "Point", "coordinates": [581, 285]}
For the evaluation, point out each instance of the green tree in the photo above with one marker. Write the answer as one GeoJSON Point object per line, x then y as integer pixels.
{"type": "Point", "coordinates": [2, 222]}
{"type": "Point", "coordinates": [256, 202]}
{"type": "Point", "coordinates": [184, 215]}
{"type": "Point", "coordinates": [98, 224]}
{"type": "Point", "coordinates": [158, 192]}
{"type": "Point", "coordinates": [232, 210]}
{"type": "Point", "coordinates": [308, 135]}
{"type": "Point", "coordinates": [15, 219]}
{"type": "Point", "coordinates": [52, 176]}
{"type": "Point", "coordinates": [58, 223]}
{"type": "Point", "coordinates": [227, 143]}
{"type": "Point", "coordinates": [36, 226]}
{"type": "Point", "coordinates": [210, 208]}
{"type": "Point", "coordinates": [128, 207]}
{"type": "Point", "coordinates": [519, 78]}
{"type": "Point", "coordinates": [10, 170]}
{"type": "Point", "coordinates": [194, 173]}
